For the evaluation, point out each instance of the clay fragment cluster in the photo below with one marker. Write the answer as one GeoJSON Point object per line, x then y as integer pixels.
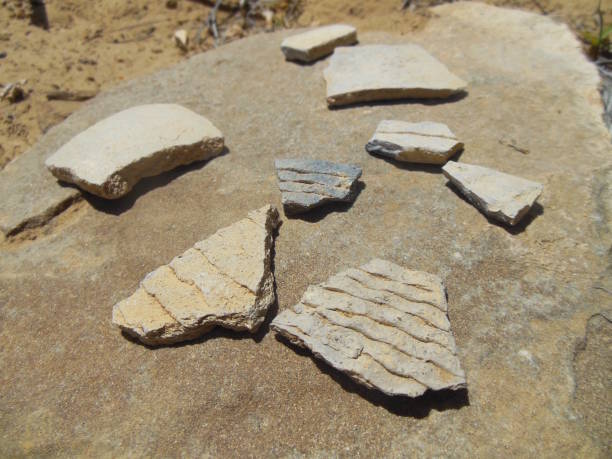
{"type": "Point", "coordinates": [385, 326]}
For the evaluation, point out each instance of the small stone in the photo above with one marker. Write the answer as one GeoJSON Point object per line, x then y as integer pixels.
{"type": "Point", "coordinates": [309, 183]}
{"type": "Point", "coordinates": [385, 326]}
{"type": "Point", "coordinates": [425, 142]}
{"type": "Point", "coordinates": [88, 61]}
{"type": "Point", "coordinates": [268, 16]}
{"type": "Point", "coordinates": [315, 44]}
{"type": "Point", "coordinates": [13, 92]}
{"type": "Point", "coordinates": [224, 280]}
{"type": "Point", "coordinates": [111, 156]}
{"type": "Point", "coordinates": [181, 39]}
{"type": "Point", "coordinates": [385, 72]}
{"type": "Point", "coordinates": [504, 197]}
{"type": "Point", "coordinates": [171, 4]}
{"type": "Point", "coordinates": [235, 31]}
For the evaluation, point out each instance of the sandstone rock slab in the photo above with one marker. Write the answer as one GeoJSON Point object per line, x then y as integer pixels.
{"type": "Point", "coordinates": [225, 280]}
{"type": "Point", "coordinates": [111, 156]}
{"type": "Point", "coordinates": [504, 197]}
{"type": "Point", "coordinates": [385, 326]}
{"type": "Point", "coordinates": [317, 43]}
{"type": "Point", "coordinates": [528, 76]}
{"type": "Point", "coordinates": [384, 72]}
{"type": "Point", "coordinates": [30, 194]}
{"type": "Point", "coordinates": [425, 142]}
{"type": "Point", "coordinates": [308, 183]}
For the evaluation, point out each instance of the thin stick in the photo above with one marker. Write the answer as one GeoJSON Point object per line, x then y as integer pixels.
{"type": "Point", "coordinates": [212, 22]}
{"type": "Point", "coordinates": [135, 26]}
{"type": "Point", "coordinates": [600, 14]}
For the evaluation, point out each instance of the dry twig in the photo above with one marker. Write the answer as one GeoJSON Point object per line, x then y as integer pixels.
{"type": "Point", "coordinates": [74, 96]}
{"type": "Point", "coordinates": [212, 22]}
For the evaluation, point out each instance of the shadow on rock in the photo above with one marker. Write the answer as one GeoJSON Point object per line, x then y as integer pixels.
{"type": "Point", "coordinates": [321, 60]}
{"type": "Point", "coordinates": [264, 328]}
{"type": "Point", "coordinates": [535, 211]}
{"type": "Point", "coordinates": [381, 103]}
{"type": "Point", "coordinates": [217, 332]}
{"type": "Point", "coordinates": [418, 167]}
{"type": "Point", "coordinates": [319, 213]}
{"type": "Point", "coordinates": [418, 407]}
{"type": "Point", "coordinates": [118, 206]}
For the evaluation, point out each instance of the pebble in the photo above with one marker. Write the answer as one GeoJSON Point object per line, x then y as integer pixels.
{"type": "Point", "coordinates": [181, 39]}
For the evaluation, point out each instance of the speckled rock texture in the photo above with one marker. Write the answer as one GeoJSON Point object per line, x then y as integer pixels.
{"type": "Point", "coordinates": [110, 157]}
{"type": "Point", "coordinates": [425, 142]}
{"type": "Point", "coordinates": [317, 43]}
{"type": "Point", "coordinates": [503, 197]}
{"type": "Point", "coordinates": [307, 183]}
{"type": "Point", "coordinates": [224, 280]}
{"type": "Point", "coordinates": [31, 195]}
{"type": "Point", "coordinates": [383, 325]}
{"type": "Point", "coordinates": [372, 73]}
{"type": "Point", "coordinates": [520, 298]}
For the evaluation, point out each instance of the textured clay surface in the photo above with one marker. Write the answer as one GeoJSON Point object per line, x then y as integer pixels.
{"type": "Point", "coordinates": [383, 325]}
{"type": "Point", "coordinates": [224, 280]}
{"type": "Point", "coordinates": [306, 183]}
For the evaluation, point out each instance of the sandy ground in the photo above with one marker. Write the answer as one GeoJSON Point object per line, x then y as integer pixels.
{"type": "Point", "coordinates": [93, 45]}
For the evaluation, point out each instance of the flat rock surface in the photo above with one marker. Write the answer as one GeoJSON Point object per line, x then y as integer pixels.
{"type": "Point", "coordinates": [224, 280]}
{"type": "Point", "coordinates": [384, 325]}
{"type": "Point", "coordinates": [314, 44]}
{"type": "Point", "coordinates": [111, 156]}
{"type": "Point", "coordinates": [306, 183]}
{"type": "Point", "coordinates": [385, 72]}
{"type": "Point", "coordinates": [501, 196]}
{"type": "Point", "coordinates": [519, 299]}
{"type": "Point", "coordinates": [30, 194]}
{"type": "Point", "coordinates": [425, 142]}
